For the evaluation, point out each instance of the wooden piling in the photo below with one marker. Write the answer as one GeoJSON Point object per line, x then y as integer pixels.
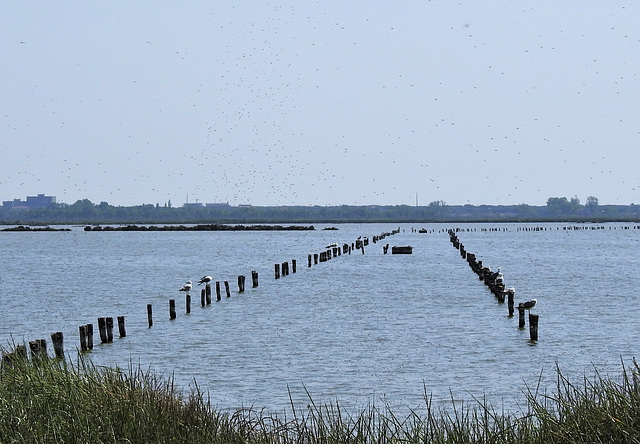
{"type": "Point", "coordinates": [83, 338]}
{"type": "Point", "coordinates": [293, 265]}
{"type": "Point", "coordinates": [520, 317]}
{"type": "Point", "coordinates": [121, 329]}
{"type": "Point", "coordinates": [208, 293]}
{"type": "Point", "coordinates": [19, 354]}
{"type": "Point", "coordinates": [38, 349]}
{"type": "Point", "coordinates": [58, 344]}
{"type": "Point", "coordinates": [309, 258]}
{"type": "Point", "coordinates": [218, 291]}
{"type": "Point", "coordinates": [172, 309]}
{"type": "Point", "coordinates": [254, 278]}
{"type": "Point", "coordinates": [202, 297]}
{"type": "Point", "coordinates": [109, 325]}
{"type": "Point", "coordinates": [510, 302]}
{"type": "Point", "coordinates": [533, 326]}
{"type": "Point", "coordinates": [315, 258]}
{"type": "Point", "coordinates": [226, 288]}
{"type": "Point", "coordinates": [150, 314]}
{"type": "Point", "coordinates": [277, 270]}
{"type": "Point", "coordinates": [90, 336]}
{"type": "Point", "coordinates": [241, 279]}
{"type": "Point", "coordinates": [102, 328]}
{"type": "Point", "coordinates": [187, 303]}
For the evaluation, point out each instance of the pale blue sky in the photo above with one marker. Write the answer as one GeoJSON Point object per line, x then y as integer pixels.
{"type": "Point", "coordinates": [320, 103]}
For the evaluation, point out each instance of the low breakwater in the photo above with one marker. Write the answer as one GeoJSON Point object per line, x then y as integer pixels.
{"type": "Point", "coordinates": [202, 227]}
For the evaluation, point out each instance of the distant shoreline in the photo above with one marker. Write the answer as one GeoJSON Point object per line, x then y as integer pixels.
{"type": "Point", "coordinates": [86, 212]}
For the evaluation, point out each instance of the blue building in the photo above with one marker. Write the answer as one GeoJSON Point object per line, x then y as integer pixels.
{"type": "Point", "coordinates": [32, 202]}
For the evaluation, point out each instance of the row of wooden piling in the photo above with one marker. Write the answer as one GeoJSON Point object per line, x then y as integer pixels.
{"type": "Point", "coordinates": [495, 283]}
{"type": "Point", "coordinates": [335, 250]}
{"type": "Point", "coordinates": [38, 347]}
{"type": "Point", "coordinates": [205, 296]}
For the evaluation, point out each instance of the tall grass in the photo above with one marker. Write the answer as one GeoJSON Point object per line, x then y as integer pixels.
{"type": "Point", "coordinates": [46, 401]}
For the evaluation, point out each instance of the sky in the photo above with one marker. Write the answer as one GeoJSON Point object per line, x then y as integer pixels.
{"type": "Point", "coordinates": [320, 102]}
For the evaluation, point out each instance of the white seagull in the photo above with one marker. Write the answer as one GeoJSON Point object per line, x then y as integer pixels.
{"type": "Point", "coordinates": [528, 305]}
{"type": "Point", "coordinates": [205, 280]}
{"type": "Point", "coordinates": [186, 287]}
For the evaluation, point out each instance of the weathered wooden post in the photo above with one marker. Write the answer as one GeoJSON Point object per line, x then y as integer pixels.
{"type": "Point", "coordinates": [285, 268]}
{"type": "Point", "coordinates": [277, 270]}
{"type": "Point", "coordinates": [217, 290]}
{"type": "Point", "coordinates": [21, 351]}
{"type": "Point", "coordinates": [58, 344]}
{"type": "Point", "coordinates": [226, 288]}
{"type": "Point", "coordinates": [187, 303]}
{"type": "Point", "coordinates": [202, 297]}
{"type": "Point", "coordinates": [208, 293]}
{"type": "Point", "coordinates": [102, 328]}
{"type": "Point", "coordinates": [150, 314]}
{"type": "Point", "coordinates": [533, 326]}
{"type": "Point", "coordinates": [38, 349]}
{"type": "Point", "coordinates": [83, 338]}
{"type": "Point", "coordinates": [254, 278]}
{"type": "Point", "coordinates": [172, 308]}
{"type": "Point", "coordinates": [309, 258]}
{"type": "Point", "coordinates": [520, 317]}
{"type": "Point", "coordinates": [90, 336]}
{"type": "Point", "coordinates": [293, 265]}
{"type": "Point", "coordinates": [315, 258]}
{"type": "Point", "coordinates": [19, 354]}
{"type": "Point", "coordinates": [241, 283]}
{"type": "Point", "coordinates": [121, 329]}
{"type": "Point", "coordinates": [510, 296]}
{"type": "Point", "coordinates": [109, 325]}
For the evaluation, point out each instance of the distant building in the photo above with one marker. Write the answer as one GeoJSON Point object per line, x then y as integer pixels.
{"type": "Point", "coordinates": [40, 201]}
{"type": "Point", "coordinates": [218, 204]}
{"type": "Point", "coordinates": [193, 205]}
{"type": "Point", "coordinates": [31, 203]}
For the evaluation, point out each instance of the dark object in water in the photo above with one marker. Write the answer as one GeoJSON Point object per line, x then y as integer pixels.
{"type": "Point", "coordinates": [402, 250]}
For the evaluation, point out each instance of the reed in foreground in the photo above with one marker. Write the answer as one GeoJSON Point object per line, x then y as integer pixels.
{"type": "Point", "coordinates": [55, 401]}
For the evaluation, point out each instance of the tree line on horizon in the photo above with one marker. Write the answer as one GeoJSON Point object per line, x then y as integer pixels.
{"type": "Point", "coordinates": [85, 211]}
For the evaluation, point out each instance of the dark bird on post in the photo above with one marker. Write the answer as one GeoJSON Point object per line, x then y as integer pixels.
{"type": "Point", "coordinates": [205, 280]}
{"type": "Point", "coordinates": [528, 305]}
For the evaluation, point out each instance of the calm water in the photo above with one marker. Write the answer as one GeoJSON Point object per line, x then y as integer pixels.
{"type": "Point", "coordinates": [358, 328]}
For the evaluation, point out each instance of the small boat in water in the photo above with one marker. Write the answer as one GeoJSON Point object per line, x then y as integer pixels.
{"type": "Point", "coordinates": [402, 250]}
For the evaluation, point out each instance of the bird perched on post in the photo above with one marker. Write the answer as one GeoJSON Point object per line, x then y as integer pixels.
{"type": "Point", "coordinates": [528, 305]}
{"type": "Point", "coordinates": [186, 287]}
{"type": "Point", "coordinates": [205, 280]}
